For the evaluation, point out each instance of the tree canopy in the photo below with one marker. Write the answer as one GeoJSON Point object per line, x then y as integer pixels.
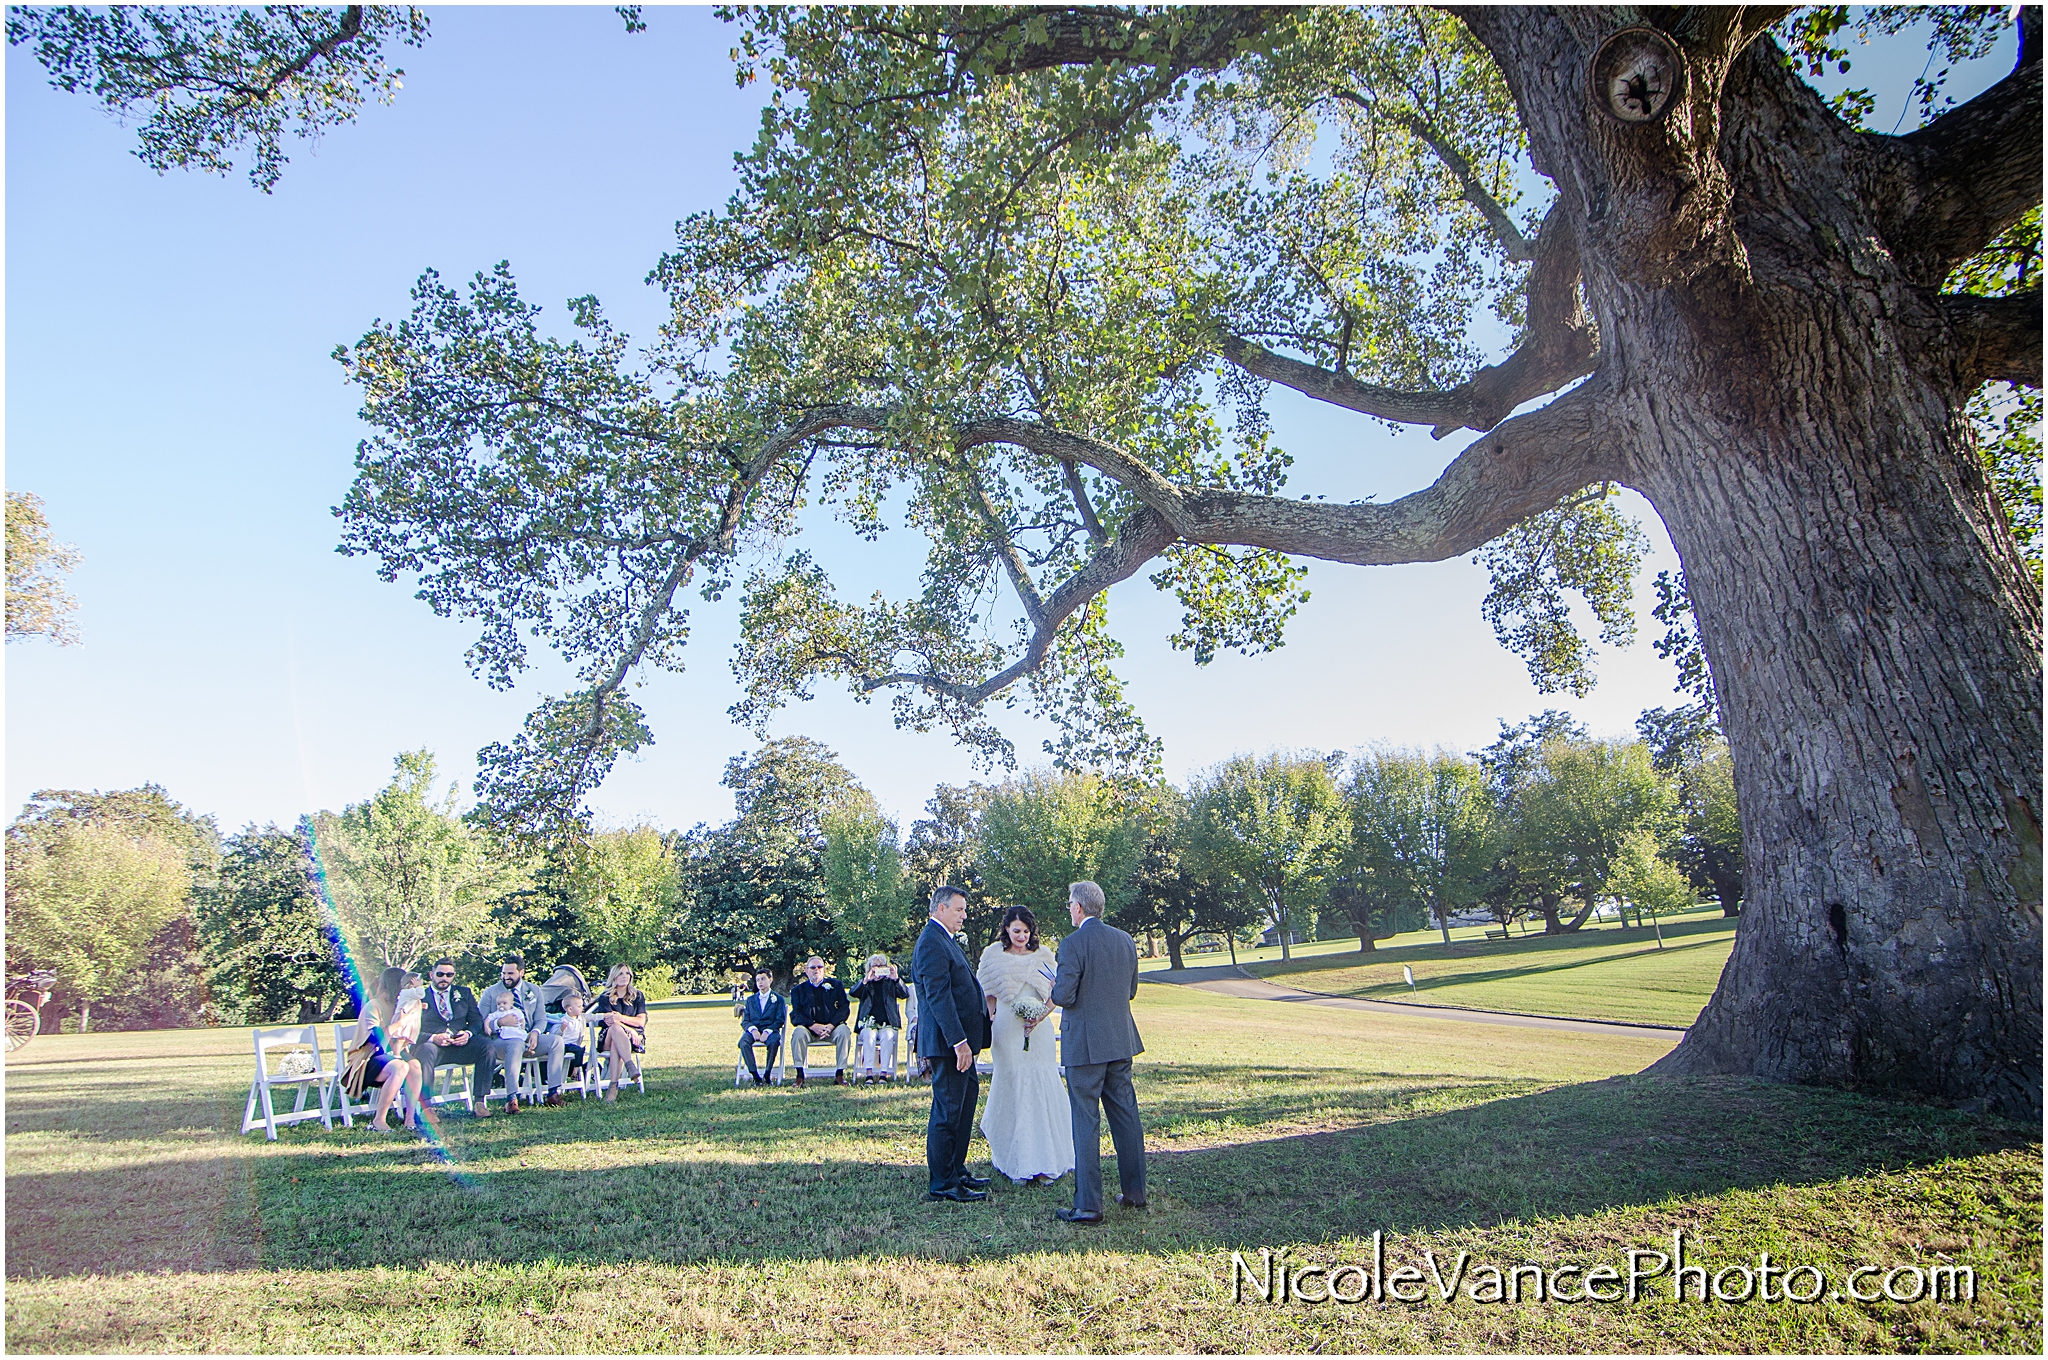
{"type": "Point", "coordinates": [1025, 277]}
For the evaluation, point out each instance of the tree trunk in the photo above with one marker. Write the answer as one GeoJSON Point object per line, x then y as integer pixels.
{"type": "Point", "coordinates": [1780, 378]}
{"type": "Point", "coordinates": [1365, 944]}
{"type": "Point", "coordinates": [1280, 926]}
{"type": "Point", "coordinates": [1173, 946]}
{"type": "Point", "coordinates": [1879, 670]}
{"type": "Point", "coordinates": [1443, 922]}
{"type": "Point", "coordinates": [84, 1016]}
{"type": "Point", "coordinates": [1548, 904]}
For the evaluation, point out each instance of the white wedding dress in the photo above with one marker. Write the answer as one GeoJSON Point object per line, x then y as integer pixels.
{"type": "Point", "coordinates": [1026, 1120]}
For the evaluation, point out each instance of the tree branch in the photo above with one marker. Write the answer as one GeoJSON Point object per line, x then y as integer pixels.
{"type": "Point", "coordinates": [1518, 246]}
{"type": "Point", "coordinates": [1560, 346]}
{"type": "Point", "coordinates": [1996, 339]}
{"type": "Point", "coordinates": [1943, 192]}
{"type": "Point", "coordinates": [1526, 466]}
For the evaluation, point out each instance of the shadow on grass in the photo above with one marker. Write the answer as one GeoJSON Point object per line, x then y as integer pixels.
{"type": "Point", "coordinates": [695, 1172]}
{"type": "Point", "coordinates": [1531, 970]}
{"type": "Point", "coordinates": [1513, 947]}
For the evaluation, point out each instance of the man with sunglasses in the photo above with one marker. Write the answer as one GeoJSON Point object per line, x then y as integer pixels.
{"type": "Point", "coordinates": [451, 1031]}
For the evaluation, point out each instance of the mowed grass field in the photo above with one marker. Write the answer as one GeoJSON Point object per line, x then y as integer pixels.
{"type": "Point", "coordinates": [1606, 974]}
{"type": "Point", "coordinates": [702, 1218]}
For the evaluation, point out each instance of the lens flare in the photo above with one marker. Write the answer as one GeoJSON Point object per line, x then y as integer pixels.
{"type": "Point", "coordinates": [352, 978]}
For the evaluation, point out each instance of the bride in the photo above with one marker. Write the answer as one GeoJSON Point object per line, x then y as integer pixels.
{"type": "Point", "coordinates": [1027, 1120]}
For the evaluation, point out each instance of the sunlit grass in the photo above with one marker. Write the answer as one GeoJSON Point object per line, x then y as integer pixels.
{"type": "Point", "coordinates": [701, 1217]}
{"type": "Point", "coordinates": [1613, 974]}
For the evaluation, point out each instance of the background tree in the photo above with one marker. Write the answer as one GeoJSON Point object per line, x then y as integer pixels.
{"type": "Point", "coordinates": [266, 934]}
{"type": "Point", "coordinates": [162, 981]}
{"type": "Point", "coordinates": [1583, 803]}
{"type": "Point", "coordinates": [943, 848]}
{"type": "Point", "coordinates": [755, 887]}
{"type": "Point", "coordinates": [1278, 824]}
{"type": "Point", "coordinates": [37, 603]}
{"type": "Point", "coordinates": [88, 900]}
{"type": "Point", "coordinates": [1419, 830]}
{"type": "Point", "coordinates": [1172, 892]}
{"type": "Point", "coordinates": [1642, 876]}
{"type": "Point", "coordinates": [977, 251]}
{"type": "Point", "coordinates": [871, 896]}
{"type": "Point", "coordinates": [1046, 829]}
{"type": "Point", "coordinates": [624, 887]}
{"type": "Point", "coordinates": [1709, 844]}
{"type": "Point", "coordinates": [408, 877]}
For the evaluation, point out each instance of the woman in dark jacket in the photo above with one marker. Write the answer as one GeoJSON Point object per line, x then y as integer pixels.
{"type": "Point", "coordinates": [880, 1022]}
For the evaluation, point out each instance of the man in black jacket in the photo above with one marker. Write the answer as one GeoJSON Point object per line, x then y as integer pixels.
{"type": "Point", "coordinates": [952, 1026]}
{"type": "Point", "coordinates": [818, 1010]}
{"type": "Point", "coordinates": [451, 1031]}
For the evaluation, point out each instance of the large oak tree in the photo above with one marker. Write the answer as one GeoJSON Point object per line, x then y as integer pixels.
{"type": "Point", "coordinates": [1007, 267]}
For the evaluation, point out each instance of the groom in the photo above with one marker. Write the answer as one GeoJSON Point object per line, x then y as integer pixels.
{"type": "Point", "coordinates": [952, 1025]}
{"type": "Point", "coordinates": [1097, 980]}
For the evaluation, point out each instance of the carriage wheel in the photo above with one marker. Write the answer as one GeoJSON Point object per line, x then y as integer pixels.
{"type": "Point", "coordinates": [23, 1023]}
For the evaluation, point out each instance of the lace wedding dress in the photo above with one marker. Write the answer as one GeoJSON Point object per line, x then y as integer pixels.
{"type": "Point", "coordinates": [1026, 1120]}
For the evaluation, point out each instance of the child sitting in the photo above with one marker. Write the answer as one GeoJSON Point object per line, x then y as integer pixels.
{"type": "Point", "coordinates": [507, 1022]}
{"type": "Point", "coordinates": [575, 1034]}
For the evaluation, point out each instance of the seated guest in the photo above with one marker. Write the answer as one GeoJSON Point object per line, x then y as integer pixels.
{"type": "Point", "coordinates": [762, 1017]}
{"type": "Point", "coordinates": [574, 1032]}
{"type": "Point", "coordinates": [389, 1067]}
{"type": "Point", "coordinates": [622, 1010]}
{"type": "Point", "coordinates": [818, 1010]}
{"type": "Point", "coordinates": [535, 1039]}
{"type": "Point", "coordinates": [452, 1031]}
{"type": "Point", "coordinates": [879, 1021]}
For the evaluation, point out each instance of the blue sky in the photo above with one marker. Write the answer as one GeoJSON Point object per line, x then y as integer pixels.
{"type": "Point", "coordinates": [169, 393]}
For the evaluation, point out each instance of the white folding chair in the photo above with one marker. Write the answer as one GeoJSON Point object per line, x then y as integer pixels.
{"type": "Point", "coordinates": [345, 1107]}
{"type": "Point", "coordinates": [448, 1095]}
{"type": "Point", "coordinates": [317, 1083]}
{"type": "Point", "coordinates": [532, 1080]}
{"type": "Point", "coordinates": [739, 1071]}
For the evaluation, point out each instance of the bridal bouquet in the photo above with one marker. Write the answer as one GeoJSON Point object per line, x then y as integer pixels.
{"type": "Point", "coordinates": [1030, 1010]}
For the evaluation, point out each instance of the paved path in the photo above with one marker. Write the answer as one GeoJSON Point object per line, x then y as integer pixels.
{"type": "Point", "coordinates": [1225, 980]}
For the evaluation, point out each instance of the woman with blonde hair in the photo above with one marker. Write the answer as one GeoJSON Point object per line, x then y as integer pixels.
{"type": "Point", "coordinates": [879, 1023]}
{"type": "Point", "coordinates": [622, 1010]}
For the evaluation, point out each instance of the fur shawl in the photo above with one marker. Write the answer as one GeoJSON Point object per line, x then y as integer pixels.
{"type": "Point", "coordinates": [1006, 976]}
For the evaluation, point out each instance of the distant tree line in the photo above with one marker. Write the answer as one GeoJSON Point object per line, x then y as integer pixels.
{"type": "Point", "coordinates": [151, 918]}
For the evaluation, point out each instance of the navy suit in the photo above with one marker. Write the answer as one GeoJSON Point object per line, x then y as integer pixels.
{"type": "Point", "coordinates": [766, 1012]}
{"type": "Point", "coordinates": [950, 1008]}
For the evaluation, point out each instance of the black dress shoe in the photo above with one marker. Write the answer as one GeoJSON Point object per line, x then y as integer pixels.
{"type": "Point", "coordinates": [959, 1194]}
{"type": "Point", "coordinates": [1076, 1216]}
{"type": "Point", "coordinates": [1129, 1203]}
{"type": "Point", "coordinates": [974, 1182]}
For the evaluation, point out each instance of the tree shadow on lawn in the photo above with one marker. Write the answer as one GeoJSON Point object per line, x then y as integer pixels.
{"type": "Point", "coordinates": [1523, 972]}
{"type": "Point", "coordinates": [1712, 931]}
{"type": "Point", "coordinates": [699, 1174]}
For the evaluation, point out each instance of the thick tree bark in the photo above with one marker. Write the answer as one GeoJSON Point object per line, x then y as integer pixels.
{"type": "Point", "coordinates": [1793, 407]}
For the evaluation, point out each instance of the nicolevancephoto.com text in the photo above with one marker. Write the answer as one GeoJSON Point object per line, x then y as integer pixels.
{"type": "Point", "coordinates": [1270, 1278]}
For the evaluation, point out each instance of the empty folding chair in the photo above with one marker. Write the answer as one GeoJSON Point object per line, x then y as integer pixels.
{"type": "Point", "coordinates": [283, 1074]}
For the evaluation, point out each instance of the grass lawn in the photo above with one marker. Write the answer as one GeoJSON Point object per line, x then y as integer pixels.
{"type": "Point", "coordinates": [700, 1217]}
{"type": "Point", "coordinates": [1591, 975]}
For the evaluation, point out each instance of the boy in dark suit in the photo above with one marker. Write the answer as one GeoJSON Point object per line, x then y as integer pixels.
{"type": "Point", "coordinates": [952, 1026]}
{"type": "Point", "coordinates": [762, 1018]}
{"type": "Point", "coordinates": [451, 1031]}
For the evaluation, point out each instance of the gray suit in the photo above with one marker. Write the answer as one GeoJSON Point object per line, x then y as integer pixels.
{"type": "Point", "coordinates": [1096, 981]}
{"type": "Point", "coordinates": [527, 999]}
